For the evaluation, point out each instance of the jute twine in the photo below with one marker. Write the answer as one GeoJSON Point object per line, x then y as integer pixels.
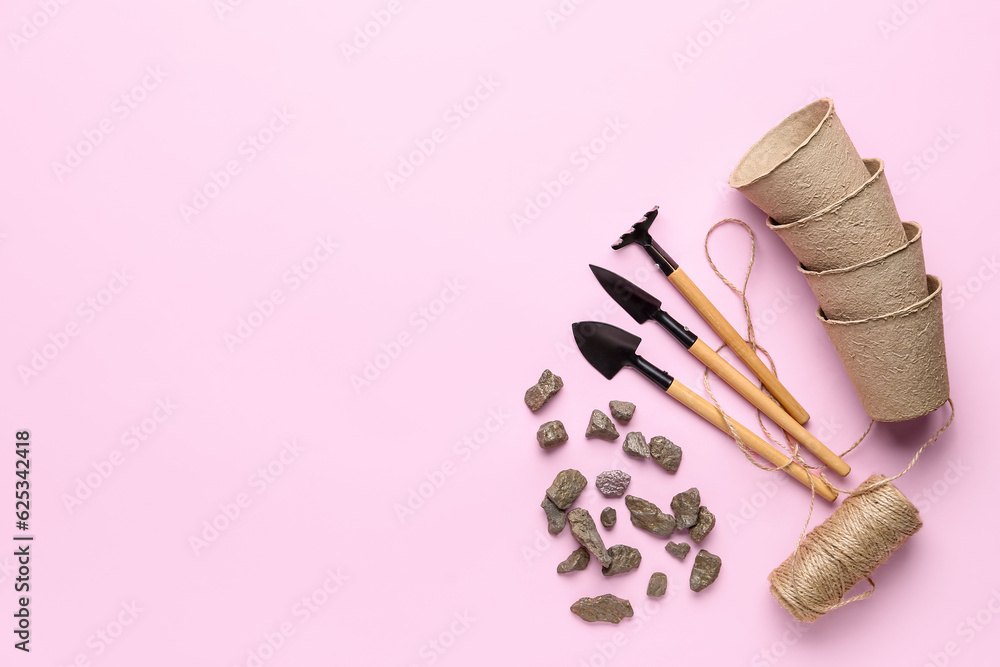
{"type": "Point", "coordinates": [871, 523]}
{"type": "Point", "coordinates": [838, 553]}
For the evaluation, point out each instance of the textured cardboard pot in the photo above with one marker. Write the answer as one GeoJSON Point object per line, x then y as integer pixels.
{"type": "Point", "coordinates": [896, 361]}
{"type": "Point", "coordinates": [885, 284]}
{"type": "Point", "coordinates": [802, 165]}
{"type": "Point", "coordinates": [863, 225]}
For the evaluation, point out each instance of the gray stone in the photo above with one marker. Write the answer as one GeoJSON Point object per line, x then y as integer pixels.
{"type": "Point", "coordinates": [605, 608]}
{"type": "Point", "coordinates": [666, 453]}
{"type": "Point", "coordinates": [612, 483]}
{"type": "Point", "coordinates": [623, 559]}
{"type": "Point", "coordinates": [622, 410]}
{"type": "Point", "coordinates": [648, 517]}
{"type": "Point", "coordinates": [601, 426]}
{"type": "Point", "coordinates": [686, 506]}
{"type": "Point", "coordinates": [578, 560]}
{"type": "Point", "coordinates": [706, 522]}
{"type": "Point", "coordinates": [635, 445]}
{"type": "Point", "coordinates": [678, 551]}
{"type": "Point", "coordinates": [581, 524]}
{"type": "Point", "coordinates": [551, 434]}
{"type": "Point", "coordinates": [566, 488]}
{"type": "Point", "coordinates": [657, 586]}
{"type": "Point", "coordinates": [556, 516]}
{"type": "Point", "coordinates": [539, 393]}
{"type": "Point", "coordinates": [608, 517]}
{"type": "Point", "coordinates": [705, 571]}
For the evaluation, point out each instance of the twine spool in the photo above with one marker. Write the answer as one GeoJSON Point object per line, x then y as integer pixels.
{"type": "Point", "coordinates": [860, 535]}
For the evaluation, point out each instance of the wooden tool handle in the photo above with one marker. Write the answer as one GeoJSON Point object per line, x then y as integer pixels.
{"type": "Point", "coordinates": [712, 415]}
{"type": "Point", "coordinates": [735, 341]}
{"type": "Point", "coordinates": [766, 404]}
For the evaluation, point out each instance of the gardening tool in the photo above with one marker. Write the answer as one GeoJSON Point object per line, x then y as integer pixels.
{"type": "Point", "coordinates": [609, 349]}
{"type": "Point", "coordinates": [640, 234]}
{"type": "Point", "coordinates": [642, 307]}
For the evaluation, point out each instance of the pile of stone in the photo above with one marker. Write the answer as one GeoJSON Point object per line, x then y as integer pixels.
{"type": "Point", "coordinates": [687, 512]}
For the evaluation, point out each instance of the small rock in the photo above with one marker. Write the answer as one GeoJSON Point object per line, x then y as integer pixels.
{"type": "Point", "coordinates": [657, 587]}
{"type": "Point", "coordinates": [622, 410]}
{"type": "Point", "coordinates": [666, 453]}
{"type": "Point", "coordinates": [601, 426]}
{"type": "Point", "coordinates": [678, 551]}
{"type": "Point", "coordinates": [608, 517]}
{"type": "Point", "coordinates": [705, 571]}
{"type": "Point", "coordinates": [607, 608]}
{"type": "Point", "coordinates": [556, 516]}
{"type": "Point", "coordinates": [623, 559]}
{"type": "Point", "coordinates": [635, 445]}
{"type": "Point", "coordinates": [612, 483]}
{"type": "Point", "coordinates": [551, 434]}
{"type": "Point", "coordinates": [578, 560]}
{"type": "Point", "coordinates": [648, 517]}
{"type": "Point", "coordinates": [706, 522]}
{"type": "Point", "coordinates": [581, 524]}
{"type": "Point", "coordinates": [686, 506]}
{"type": "Point", "coordinates": [566, 488]}
{"type": "Point", "coordinates": [540, 393]}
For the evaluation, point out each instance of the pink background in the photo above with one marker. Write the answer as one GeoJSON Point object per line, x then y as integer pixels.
{"type": "Point", "coordinates": [468, 577]}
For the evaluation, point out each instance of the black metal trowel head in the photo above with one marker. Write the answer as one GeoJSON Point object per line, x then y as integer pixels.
{"type": "Point", "coordinates": [638, 303]}
{"type": "Point", "coordinates": [610, 349]}
{"type": "Point", "coordinates": [641, 305]}
{"type": "Point", "coordinates": [607, 348]}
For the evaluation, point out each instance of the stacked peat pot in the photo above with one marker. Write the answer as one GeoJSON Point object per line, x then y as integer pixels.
{"type": "Point", "coordinates": [835, 212]}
